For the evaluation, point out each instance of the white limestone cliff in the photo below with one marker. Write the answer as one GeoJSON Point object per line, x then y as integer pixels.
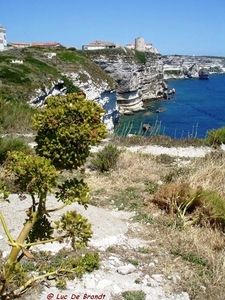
{"type": "Point", "coordinates": [136, 82]}
{"type": "Point", "coordinates": [101, 93]}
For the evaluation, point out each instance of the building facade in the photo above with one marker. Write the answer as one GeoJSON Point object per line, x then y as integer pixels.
{"type": "Point", "coordinates": [3, 41]}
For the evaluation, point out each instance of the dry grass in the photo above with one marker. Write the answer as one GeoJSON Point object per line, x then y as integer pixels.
{"type": "Point", "coordinates": [132, 170]}
{"type": "Point", "coordinates": [191, 257]}
{"type": "Point", "coordinates": [209, 172]}
{"type": "Point", "coordinates": [197, 256]}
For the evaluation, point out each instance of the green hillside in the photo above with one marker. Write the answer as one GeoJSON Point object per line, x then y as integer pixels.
{"type": "Point", "coordinates": [19, 81]}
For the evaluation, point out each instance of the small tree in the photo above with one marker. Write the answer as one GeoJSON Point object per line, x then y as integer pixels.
{"type": "Point", "coordinates": [66, 128]}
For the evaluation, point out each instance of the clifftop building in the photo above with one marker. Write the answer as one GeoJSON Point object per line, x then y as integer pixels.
{"type": "Point", "coordinates": [3, 41]}
{"type": "Point", "coordinates": [140, 45]}
{"type": "Point", "coordinates": [97, 45]}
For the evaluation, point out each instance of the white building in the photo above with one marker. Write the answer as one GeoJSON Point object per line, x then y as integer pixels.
{"type": "Point", "coordinates": [3, 42]}
{"type": "Point", "coordinates": [98, 45]}
{"type": "Point", "coordinates": [18, 45]}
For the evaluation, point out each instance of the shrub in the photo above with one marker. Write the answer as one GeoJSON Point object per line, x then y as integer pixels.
{"type": "Point", "coordinates": [191, 206]}
{"type": "Point", "coordinates": [67, 128]}
{"type": "Point", "coordinates": [216, 137]}
{"type": "Point", "coordinates": [106, 159]}
{"type": "Point", "coordinates": [71, 88]}
{"type": "Point", "coordinates": [173, 195]}
{"type": "Point", "coordinates": [12, 144]}
{"type": "Point", "coordinates": [140, 56]}
{"type": "Point", "coordinates": [134, 295]}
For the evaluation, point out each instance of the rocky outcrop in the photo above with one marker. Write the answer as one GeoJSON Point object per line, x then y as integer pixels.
{"type": "Point", "coordinates": [175, 66]}
{"type": "Point", "coordinates": [136, 82]}
{"type": "Point", "coordinates": [40, 95]}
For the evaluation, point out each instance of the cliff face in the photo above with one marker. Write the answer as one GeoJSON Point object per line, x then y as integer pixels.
{"type": "Point", "coordinates": [143, 78]}
{"type": "Point", "coordinates": [100, 92]}
{"type": "Point", "coordinates": [136, 81]}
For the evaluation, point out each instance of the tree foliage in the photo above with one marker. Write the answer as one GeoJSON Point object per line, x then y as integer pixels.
{"type": "Point", "coordinates": [67, 128]}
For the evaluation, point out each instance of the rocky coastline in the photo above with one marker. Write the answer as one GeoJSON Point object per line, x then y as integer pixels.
{"type": "Point", "coordinates": [120, 80]}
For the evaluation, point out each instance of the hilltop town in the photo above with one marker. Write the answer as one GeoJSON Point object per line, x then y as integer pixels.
{"type": "Point", "coordinates": [138, 45]}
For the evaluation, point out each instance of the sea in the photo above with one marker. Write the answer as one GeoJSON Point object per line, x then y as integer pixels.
{"type": "Point", "coordinates": [197, 107]}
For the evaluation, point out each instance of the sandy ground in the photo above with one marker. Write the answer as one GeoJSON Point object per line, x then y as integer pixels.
{"type": "Point", "coordinates": [105, 226]}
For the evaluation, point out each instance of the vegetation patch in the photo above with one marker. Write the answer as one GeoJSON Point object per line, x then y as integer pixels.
{"type": "Point", "coordinates": [71, 56]}
{"type": "Point", "coordinates": [128, 199]}
{"type": "Point", "coordinates": [140, 56]}
{"type": "Point", "coordinates": [8, 144]}
{"type": "Point", "coordinates": [106, 159]}
{"type": "Point", "coordinates": [13, 76]}
{"type": "Point", "coordinates": [216, 137]}
{"type": "Point", "coordinates": [191, 206]}
{"type": "Point", "coordinates": [15, 117]}
{"type": "Point", "coordinates": [134, 295]}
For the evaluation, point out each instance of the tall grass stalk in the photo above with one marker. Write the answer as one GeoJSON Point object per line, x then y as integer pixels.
{"type": "Point", "coordinates": [125, 129]}
{"type": "Point", "coordinates": [15, 117]}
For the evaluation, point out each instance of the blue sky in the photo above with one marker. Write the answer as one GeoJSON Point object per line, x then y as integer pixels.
{"type": "Point", "coordinates": [192, 27]}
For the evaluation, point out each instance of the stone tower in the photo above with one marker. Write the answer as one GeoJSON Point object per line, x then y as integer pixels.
{"type": "Point", "coordinates": [139, 44]}
{"type": "Point", "coordinates": [3, 42]}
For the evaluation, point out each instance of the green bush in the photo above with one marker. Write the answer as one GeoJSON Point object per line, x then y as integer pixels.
{"type": "Point", "coordinates": [140, 56]}
{"type": "Point", "coordinates": [134, 295]}
{"type": "Point", "coordinates": [12, 144]}
{"type": "Point", "coordinates": [216, 137]}
{"type": "Point", "coordinates": [66, 129]}
{"type": "Point", "coordinates": [71, 88]}
{"type": "Point", "coordinates": [106, 159]}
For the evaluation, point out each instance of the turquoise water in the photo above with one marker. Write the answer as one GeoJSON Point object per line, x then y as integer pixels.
{"type": "Point", "coordinates": [197, 107]}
